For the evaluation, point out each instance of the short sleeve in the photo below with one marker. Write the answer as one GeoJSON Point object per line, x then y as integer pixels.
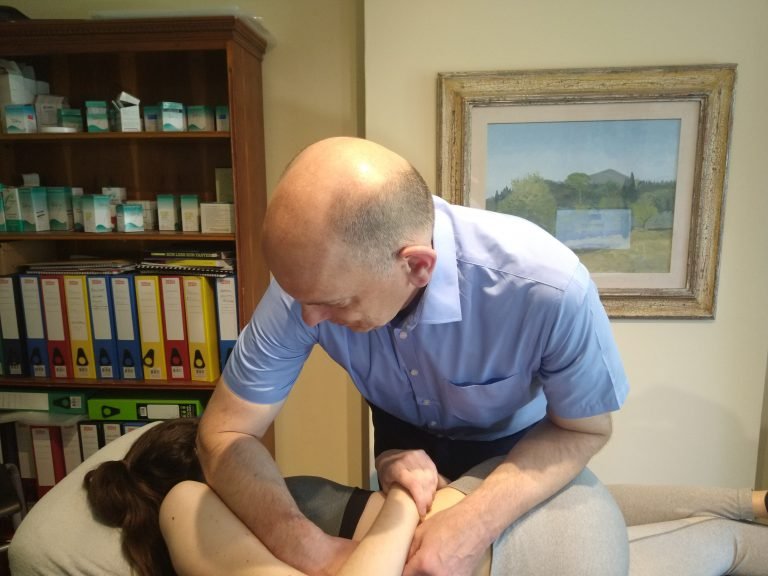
{"type": "Point", "coordinates": [271, 350]}
{"type": "Point", "coordinates": [581, 371]}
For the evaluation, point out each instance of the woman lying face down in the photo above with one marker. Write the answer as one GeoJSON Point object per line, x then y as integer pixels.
{"type": "Point", "coordinates": [173, 523]}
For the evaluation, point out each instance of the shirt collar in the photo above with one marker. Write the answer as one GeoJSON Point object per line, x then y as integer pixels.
{"type": "Point", "coordinates": [441, 301]}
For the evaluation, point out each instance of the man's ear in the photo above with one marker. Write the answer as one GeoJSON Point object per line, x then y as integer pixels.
{"type": "Point", "coordinates": [420, 261]}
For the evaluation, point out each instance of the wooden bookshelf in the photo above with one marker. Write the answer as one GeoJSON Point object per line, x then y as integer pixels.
{"type": "Point", "coordinates": [197, 61]}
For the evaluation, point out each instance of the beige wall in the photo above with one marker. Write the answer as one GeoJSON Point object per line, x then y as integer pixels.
{"type": "Point", "coordinates": [697, 386]}
{"type": "Point", "coordinates": [312, 89]}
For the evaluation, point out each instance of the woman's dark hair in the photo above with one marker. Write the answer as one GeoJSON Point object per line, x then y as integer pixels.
{"type": "Point", "coordinates": [127, 493]}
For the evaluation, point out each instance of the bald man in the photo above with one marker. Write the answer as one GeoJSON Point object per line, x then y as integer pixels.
{"type": "Point", "coordinates": [471, 334]}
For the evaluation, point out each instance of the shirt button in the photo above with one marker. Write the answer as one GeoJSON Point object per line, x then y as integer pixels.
{"type": "Point", "coordinates": [414, 372]}
{"type": "Point", "coordinates": [403, 335]}
{"type": "Point", "coordinates": [432, 424]}
{"type": "Point", "coordinates": [425, 402]}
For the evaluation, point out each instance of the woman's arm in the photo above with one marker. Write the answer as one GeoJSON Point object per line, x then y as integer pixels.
{"type": "Point", "coordinates": [205, 538]}
{"type": "Point", "coordinates": [384, 548]}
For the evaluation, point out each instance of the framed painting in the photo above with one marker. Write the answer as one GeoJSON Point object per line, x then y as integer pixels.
{"type": "Point", "coordinates": [626, 166]}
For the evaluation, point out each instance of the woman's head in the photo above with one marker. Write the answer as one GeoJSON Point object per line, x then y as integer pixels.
{"type": "Point", "coordinates": [127, 493]}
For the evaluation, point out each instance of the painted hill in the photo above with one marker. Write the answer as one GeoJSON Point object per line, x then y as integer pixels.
{"type": "Point", "coordinates": [607, 176]}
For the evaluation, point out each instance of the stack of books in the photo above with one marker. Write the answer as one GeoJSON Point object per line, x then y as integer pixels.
{"type": "Point", "coordinates": [188, 261]}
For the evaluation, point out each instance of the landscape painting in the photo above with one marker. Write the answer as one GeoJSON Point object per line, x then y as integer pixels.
{"type": "Point", "coordinates": [605, 188]}
{"type": "Point", "coordinates": [626, 166]}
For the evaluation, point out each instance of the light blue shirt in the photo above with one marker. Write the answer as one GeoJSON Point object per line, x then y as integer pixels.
{"type": "Point", "coordinates": [509, 324]}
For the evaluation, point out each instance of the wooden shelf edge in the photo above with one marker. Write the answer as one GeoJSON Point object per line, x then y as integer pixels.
{"type": "Point", "coordinates": [22, 382]}
{"type": "Point", "coordinates": [102, 136]}
{"type": "Point", "coordinates": [112, 236]}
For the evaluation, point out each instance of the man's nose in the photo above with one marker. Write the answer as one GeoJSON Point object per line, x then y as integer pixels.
{"type": "Point", "coordinates": [313, 315]}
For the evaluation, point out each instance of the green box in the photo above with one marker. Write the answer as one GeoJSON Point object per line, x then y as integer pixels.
{"type": "Point", "coordinates": [200, 119]}
{"type": "Point", "coordinates": [106, 408]}
{"type": "Point", "coordinates": [60, 214]}
{"type": "Point", "coordinates": [96, 119]}
{"type": "Point", "coordinates": [70, 118]}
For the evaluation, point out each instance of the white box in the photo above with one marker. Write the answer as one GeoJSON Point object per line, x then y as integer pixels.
{"type": "Point", "coordinates": [96, 213]}
{"type": "Point", "coordinates": [149, 208]}
{"type": "Point", "coordinates": [14, 88]}
{"type": "Point", "coordinates": [172, 117]}
{"type": "Point", "coordinates": [12, 205]}
{"type": "Point", "coordinates": [168, 212]}
{"type": "Point", "coordinates": [130, 218]}
{"type": "Point", "coordinates": [19, 119]}
{"type": "Point", "coordinates": [117, 194]}
{"type": "Point", "coordinates": [125, 113]}
{"type": "Point", "coordinates": [47, 108]}
{"type": "Point", "coordinates": [33, 205]}
{"type": "Point", "coordinates": [60, 212]}
{"type": "Point", "coordinates": [217, 217]}
{"type": "Point", "coordinates": [190, 213]}
{"type": "Point", "coordinates": [222, 118]}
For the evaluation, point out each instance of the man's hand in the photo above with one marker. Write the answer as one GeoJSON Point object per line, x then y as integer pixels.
{"type": "Point", "coordinates": [447, 544]}
{"type": "Point", "coordinates": [414, 471]}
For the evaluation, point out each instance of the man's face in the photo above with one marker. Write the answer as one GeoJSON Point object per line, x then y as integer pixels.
{"type": "Point", "coordinates": [349, 295]}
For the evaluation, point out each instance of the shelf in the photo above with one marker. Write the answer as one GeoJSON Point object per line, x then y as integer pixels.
{"type": "Point", "coordinates": [121, 236]}
{"type": "Point", "coordinates": [77, 136]}
{"type": "Point", "coordinates": [70, 383]}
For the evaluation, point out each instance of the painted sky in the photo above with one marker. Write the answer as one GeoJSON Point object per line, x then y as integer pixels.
{"type": "Point", "coordinates": [648, 148]}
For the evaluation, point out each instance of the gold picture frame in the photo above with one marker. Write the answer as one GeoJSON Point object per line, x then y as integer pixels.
{"type": "Point", "coordinates": [671, 123]}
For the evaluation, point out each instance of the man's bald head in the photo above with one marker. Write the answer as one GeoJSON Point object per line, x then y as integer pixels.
{"type": "Point", "coordinates": [350, 197]}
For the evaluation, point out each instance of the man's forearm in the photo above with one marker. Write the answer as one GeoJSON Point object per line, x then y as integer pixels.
{"type": "Point", "coordinates": [542, 463]}
{"type": "Point", "coordinates": [244, 475]}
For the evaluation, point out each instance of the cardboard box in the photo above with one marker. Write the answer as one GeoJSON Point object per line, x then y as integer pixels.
{"type": "Point", "coordinates": [149, 208]}
{"type": "Point", "coordinates": [130, 218]}
{"type": "Point", "coordinates": [96, 119]}
{"type": "Point", "coordinates": [172, 117]}
{"type": "Point", "coordinates": [124, 112]}
{"type": "Point", "coordinates": [14, 87]}
{"type": "Point", "coordinates": [60, 212]}
{"type": "Point", "coordinates": [151, 119]}
{"type": "Point", "coordinates": [168, 212]}
{"type": "Point", "coordinates": [222, 118]}
{"type": "Point", "coordinates": [190, 213]}
{"type": "Point", "coordinates": [19, 119]}
{"type": "Point", "coordinates": [33, 204]}
{"type": "Point", "coordinates": [12, 206]}
{"type": "Point", "coordinates": [96, 213]}
{"type": "Point", "coordinates": [217, 217]}
{"type": "Point", "coordinates": [200, 119]}
{"type": "Point", "coordinates": [47, 108]}
{"type": "Point", "coordinates": [2, 211]}
{"type": "Point", "coordinates": [70, 118]}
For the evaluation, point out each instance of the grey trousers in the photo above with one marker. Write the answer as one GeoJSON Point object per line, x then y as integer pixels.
{"type": "Point", "coordinates": [590, 529]}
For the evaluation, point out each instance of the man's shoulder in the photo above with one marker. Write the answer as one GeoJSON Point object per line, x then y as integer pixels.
{"type": "Point", "coordinates": [510, 245]}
